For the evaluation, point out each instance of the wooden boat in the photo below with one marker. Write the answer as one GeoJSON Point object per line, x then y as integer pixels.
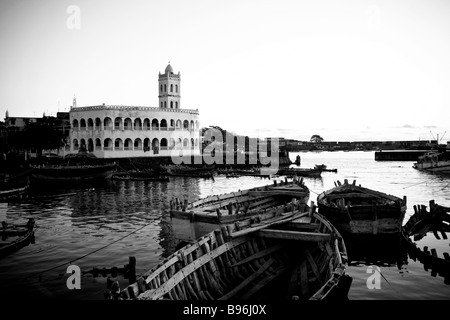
{"type": "Point", "coordinates": [192, 220]}
{"type": "Point", "coordinates": [14, 236]}
{"type": "Point", "coordinates": [354, 209]}
{"type": "Point", "coordinates": [421, 223]}
{"type": "Point", "coordinates": [185, 171]}
{"type": "Point", "coordinates": [323, 167]}
{"type": "Point", "coordinates": [300, 257]}
{"type": "Point", "coordinates": [436, 162]}
{"type": "Point", "coordinates": [139, 176]}
{"type": "Point", "coordinates": [300, 172]}
{"type": "Point", "coordinates": [13, 188]}
{"type": "Point", "coordinates": [65, 173]}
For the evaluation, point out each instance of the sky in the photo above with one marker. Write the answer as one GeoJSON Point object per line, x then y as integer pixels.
{"type": "Point", "coordinates": [346, 70]}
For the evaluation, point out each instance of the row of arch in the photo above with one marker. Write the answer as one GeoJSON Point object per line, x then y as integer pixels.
{"type": "Point", "coordinates": [138, 144]}
{"type": "Point", "coordinates": [161, 87]}
{"type": "Point", "coordinates": [164, 105]}
{"type": "Point", "coordinates": [127, 124]}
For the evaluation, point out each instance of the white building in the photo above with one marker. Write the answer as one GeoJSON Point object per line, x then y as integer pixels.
{"type": "Point", "coordinates": [111, 131]}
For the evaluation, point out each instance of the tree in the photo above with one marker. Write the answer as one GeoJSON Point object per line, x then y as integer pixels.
{"type": "Point", "coordinates": [316, 139]}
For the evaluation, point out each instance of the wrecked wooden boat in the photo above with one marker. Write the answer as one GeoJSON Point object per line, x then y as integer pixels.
{"type": "Point", "coordinates": [192, 220]}
{"type": "Point", "coordinates": [299, 257]}
{"type": "Point", "coordinates": [72, 173]}
{"type": "Point", "coordinates": [16, 236]}
{"type": "Point", "coordinates": [13, 188]}
{"type": "Point", "coordinates": [421, 224]}
{"type": "Point", "coordinates": [354, 209]}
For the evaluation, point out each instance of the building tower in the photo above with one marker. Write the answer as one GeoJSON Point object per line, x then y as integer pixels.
{"type": "Point", "coordinates": [169, 89]}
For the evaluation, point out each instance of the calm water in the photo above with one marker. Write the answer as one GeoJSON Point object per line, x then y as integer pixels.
{"type": "Point", "coordinates": [74, 222]}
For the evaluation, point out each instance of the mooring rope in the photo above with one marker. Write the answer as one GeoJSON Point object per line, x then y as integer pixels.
{"type": "Point", "coordinates": [88, 254]}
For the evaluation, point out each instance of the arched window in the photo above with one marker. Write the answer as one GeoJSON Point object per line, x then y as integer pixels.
{"type": "Point", "coordinates": [146, 144]}
{"type": "Point", "coordinates": [192, 143]}
{"type": "Point", "coordinates": [107, 124]}
{"type": "Point", "coordinates": [155, 124]}
{"type": "Point", "coordinates": [137, 124]}
{"type": "Point", "coordinates": [75, 124]}
{"type": "Point", "coordinates": [83, 144]}
{"type": "Point", "coordinates": [176, 104]}
{"type": "Point", "coordinates": [186, 125]}
{"type": "Point", "coordinates": [165, 104]}
{"type": "Point", "coordinates": [118, 123]}
{"type": "Point", "coordinates": [127, 124]}
{"type": "Point", "coordinates": [171, 143]}
{"type": "Point", "coordinates": [161, 104]}
{"type": "Point", "coordinates": [185, 143]}
{"type": "Point", "coordinates": [107, 144]}
{"type": "Point", "coordinates": [98, 144]}
{"type": "Point", "coordinates": [146, 124]}
{"type": "Point", "coordinates": [165, 88]}
{"type": "Point", "coordinates": [192, 125]}
{"type": "Point", "coordinates": [137, 144]}
{"type": "Point", "coordinates": [75, 144]}
{"type": "Point", "coordinates": [171, 104]}
{"type": "Point", "coordinates": [98, 124]}
{"type": "Point", "coordinates": [90, 124]}
{"type": "Point", "coordinates": [163, 124]}
{"type": "Point", "coordinates": [163, 144]}
{"type": "Point", "coordinates": [128, 144]}
{"type": "Point", "coordinates": [90, 146]}
{"type": "Point", "coordinates": [160, 88]}
{"type": "Point", "coordinates": [176, 88]}
{"type": "Point", "coordinates": [172, 123]}
{"type": "Point", "coordinates": [118, 145]}
{"type": "Point", "coordinates": [83, 124]}
{"type": "Point", "coordinates": [171, 88]}
{"type": "Point", "coordinates": [179, 124]}
{"type": "Point", "coordinates": [155, 146]}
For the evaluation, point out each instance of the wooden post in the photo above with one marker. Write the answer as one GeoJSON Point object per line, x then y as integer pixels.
{"type": "Point", "coordinates": [131, 269]}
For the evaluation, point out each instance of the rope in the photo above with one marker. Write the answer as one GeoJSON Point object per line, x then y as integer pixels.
{"type": "Point", "coordinates": [88, 254]}
{"type": "Point", "coordinates": [415, 184]}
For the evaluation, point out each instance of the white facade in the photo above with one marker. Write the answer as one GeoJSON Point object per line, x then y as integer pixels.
{"type": "Point", "coordinates": [110, 131]}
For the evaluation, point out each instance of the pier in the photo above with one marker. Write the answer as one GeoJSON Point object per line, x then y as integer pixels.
{"type": "Point", "coordinates": [399, 155]}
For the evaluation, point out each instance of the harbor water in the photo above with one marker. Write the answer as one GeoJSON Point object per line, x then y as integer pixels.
{"type": "Point", "coordinates": [102, 225]}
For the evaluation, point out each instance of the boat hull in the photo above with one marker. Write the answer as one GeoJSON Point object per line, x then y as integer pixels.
{"type": "Point", "coordinates": [276, 262]}
{"type": "Point", "coordinates": [75, 173]}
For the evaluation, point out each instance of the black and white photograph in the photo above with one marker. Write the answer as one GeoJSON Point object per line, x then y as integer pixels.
{"type": "Point", "coordinates": [260, 153]}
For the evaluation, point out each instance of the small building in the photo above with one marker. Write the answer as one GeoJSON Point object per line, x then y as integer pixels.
{"type": "Point", "coordinates": [117, 131]}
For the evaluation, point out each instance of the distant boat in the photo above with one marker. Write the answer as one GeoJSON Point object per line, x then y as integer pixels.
{"type": "Point", "coordinates": [323, 167]}
{"type": "Point", "coordinates": [139, 176]}
{"type": "Point", "coordinates": [302, 257]}
{"type": "Point", "coordinates": [75, 173]}
{"type": "Point", "coordinates": [13, 188]}
{"type": "Point", "coordinates": [192, 220]}
{"type": "Point", "coordinates": [16, 236]}
{"type": "Point", "coordinates": [300, 172]}
{"type": "Point", "coordinates": [437, 162]}
{"type": "Point", "coordinates": [356, 210]}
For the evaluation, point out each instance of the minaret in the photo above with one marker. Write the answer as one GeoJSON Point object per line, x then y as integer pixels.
{"type": "Point", "coordinates": [7, 114]}
{"type": "Point", "coordinates": [169, 89]}
{"type": "Point", "coordinates": [74, 103]}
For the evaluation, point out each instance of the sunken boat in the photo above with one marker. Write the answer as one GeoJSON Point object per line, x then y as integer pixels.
{"type": "Point", "coordinates": [353, 209]}
{"type": "Point", "coordinates": [298, 257]}
{"type": "Point", "coordinates": [192, 220]}
{"type": "Point", "coordinates": [422, 224]}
